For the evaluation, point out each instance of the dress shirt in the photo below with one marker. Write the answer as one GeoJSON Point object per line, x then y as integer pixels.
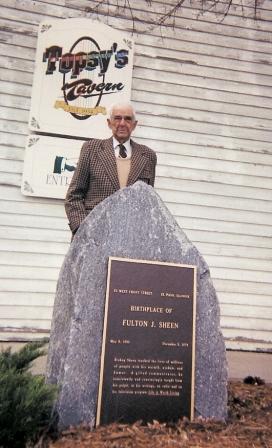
{"type": "Point", "coordinates": [127, 145]}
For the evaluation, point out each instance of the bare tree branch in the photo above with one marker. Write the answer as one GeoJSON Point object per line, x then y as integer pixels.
{"type": "Point", "coordinates": [171, 13]}
{"type": "Point", "coordinates": [211, 6]}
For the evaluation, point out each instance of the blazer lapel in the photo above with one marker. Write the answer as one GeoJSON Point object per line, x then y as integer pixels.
{"type": "Point", "coordinates": [108, 159]}
{"type": "Point", "coordinates": [138, 161]}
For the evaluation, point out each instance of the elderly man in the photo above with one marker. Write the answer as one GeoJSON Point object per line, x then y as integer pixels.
{"type": "Point", "coordinates": [104, 166]}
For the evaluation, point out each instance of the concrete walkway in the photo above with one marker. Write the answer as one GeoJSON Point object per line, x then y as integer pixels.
{"type": "Point", "coordinates": [241, 364]}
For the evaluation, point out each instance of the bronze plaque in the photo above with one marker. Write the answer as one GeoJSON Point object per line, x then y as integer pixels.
{"type": "Point", "coordinates": [147, 360]}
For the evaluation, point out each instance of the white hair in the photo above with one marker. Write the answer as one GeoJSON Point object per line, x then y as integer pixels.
{"type": "Point", "coordinates": [121, 104]}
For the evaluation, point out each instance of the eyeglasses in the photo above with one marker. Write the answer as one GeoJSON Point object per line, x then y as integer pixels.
{"type": "Point", "coordinates": [127, 118]}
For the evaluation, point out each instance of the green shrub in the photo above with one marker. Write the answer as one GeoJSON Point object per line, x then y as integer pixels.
{"type": "Point", "coordinates": [26, 402]}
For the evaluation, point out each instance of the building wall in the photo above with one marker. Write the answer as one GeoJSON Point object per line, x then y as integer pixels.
{"type": "Point", "coordinates": [202, 87]}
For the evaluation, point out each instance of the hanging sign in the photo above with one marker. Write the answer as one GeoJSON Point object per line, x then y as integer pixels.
{"type": "Point", "coordinates": [82, 67]}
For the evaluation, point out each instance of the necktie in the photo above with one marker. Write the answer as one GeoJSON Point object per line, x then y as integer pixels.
{"type": "Point", "coordinates": [122, 151]}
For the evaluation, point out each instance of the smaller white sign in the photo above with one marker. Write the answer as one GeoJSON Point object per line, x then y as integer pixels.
{"type": "Point", "coordinates": [49, 165]}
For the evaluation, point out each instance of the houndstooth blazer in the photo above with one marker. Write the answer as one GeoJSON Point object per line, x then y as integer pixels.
{"type": "Point", "coordinates": [96, 178]}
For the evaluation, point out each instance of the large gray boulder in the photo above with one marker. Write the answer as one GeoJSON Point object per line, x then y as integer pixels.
{"type": "Point", "coordinates": [132, 223]}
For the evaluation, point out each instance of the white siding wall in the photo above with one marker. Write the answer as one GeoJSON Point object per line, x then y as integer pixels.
{"type": "Point", "coordinates": [203, 91]}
